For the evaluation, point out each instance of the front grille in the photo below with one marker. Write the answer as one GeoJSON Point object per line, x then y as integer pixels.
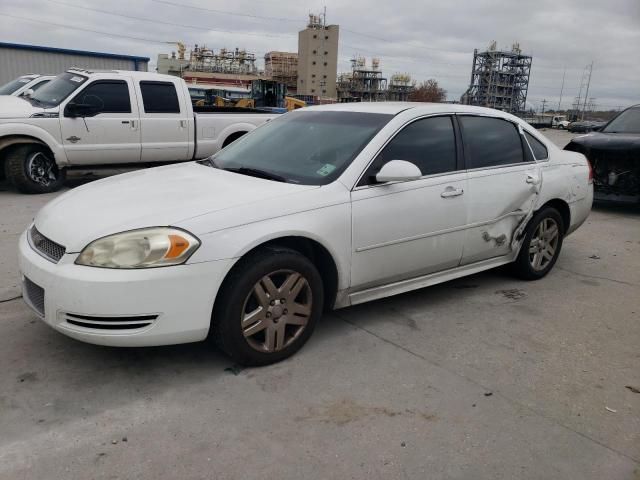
{"type": "Point", "coordinates": [110, 323]}
{"type": "Point", "coordinates": [34, 295]}
{"type": "Point", "coordinates": [49, 249]}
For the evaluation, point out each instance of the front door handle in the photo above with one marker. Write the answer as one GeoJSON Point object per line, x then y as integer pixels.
{"type": "Point", "coordinates": [451, 192]}
{"type": "Point", "coordinates": [183, 123]}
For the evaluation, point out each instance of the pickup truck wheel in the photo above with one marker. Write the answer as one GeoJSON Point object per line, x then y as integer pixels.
{"type": "Point", "coordinates": [541, 245]}
{"type": "Point", "coordinates": [268, 307]}
{"type": "Point", "coordinates": [31, 168]}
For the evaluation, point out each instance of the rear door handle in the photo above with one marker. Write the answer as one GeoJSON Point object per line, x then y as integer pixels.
{"type": "Point", "coordinates": [533, 180]}
{"type": "Point", "coordinates": [183, 123]}
{"type": "Point", "coordinates": [451, 192]}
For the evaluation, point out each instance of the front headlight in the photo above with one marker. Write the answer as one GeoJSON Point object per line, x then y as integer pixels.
{"type": "Point", "coordinates": [144, 248]}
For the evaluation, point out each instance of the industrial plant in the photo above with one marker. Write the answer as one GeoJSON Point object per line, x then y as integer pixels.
{"type": "Point", "coordinates": [499, 79]}
{"type": "Point", "coordinates": [311, 73]}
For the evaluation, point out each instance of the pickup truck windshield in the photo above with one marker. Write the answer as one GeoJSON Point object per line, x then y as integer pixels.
{"type": "Point", "coordinates": [13, 85]}
{"type": "Point", "coordinates": [627, 122]}
{"type": "Point", "coordinates": [311, 148]}
{"type": "Point", "coordinates": [54, 92]}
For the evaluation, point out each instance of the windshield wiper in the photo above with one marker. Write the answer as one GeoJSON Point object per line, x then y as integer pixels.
{"type": "Point", "coordinates": [207, 161]}
{"type": "Point", "coordinates": [255, 172]}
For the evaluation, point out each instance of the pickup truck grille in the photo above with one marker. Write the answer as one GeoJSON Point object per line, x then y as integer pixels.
{"type": "Point", "coordinates": [49, 249]}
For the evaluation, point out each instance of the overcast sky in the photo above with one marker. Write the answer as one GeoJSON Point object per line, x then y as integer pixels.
{"type": "Point", "coordinates": [427, 39]}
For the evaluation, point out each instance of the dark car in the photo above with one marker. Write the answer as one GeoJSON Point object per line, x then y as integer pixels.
{"type": "Point", "coordinates": [585, 126]}
{"type": "Point", "coordinates": [614, 153]}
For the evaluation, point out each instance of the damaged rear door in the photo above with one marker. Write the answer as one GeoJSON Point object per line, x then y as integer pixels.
{"type": "Point", "coordinates": [503, 182]}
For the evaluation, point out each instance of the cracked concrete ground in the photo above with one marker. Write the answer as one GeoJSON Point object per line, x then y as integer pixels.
{"type": "Point", "coordinates": [483, 377]}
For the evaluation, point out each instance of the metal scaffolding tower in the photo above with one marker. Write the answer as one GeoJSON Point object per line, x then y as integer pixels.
{"type": "Point", "coordinates": [203, 59]}
{"type": "Point", "coordinates": [363, 84]}
{"type": "Point", "coordinates": [499, 79]}
{"type": "Point", "coordinates": [282, 67]}
{"type": "Point", "coordinates": [400, 87]}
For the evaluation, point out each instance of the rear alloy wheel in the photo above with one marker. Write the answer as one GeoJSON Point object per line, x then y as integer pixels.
{"type": "Point", "coordinates": [32, 169]}
{"type": "Point", "coordinates": [541, 245]}
{"type": "Point", "coordinates": [268, 306]}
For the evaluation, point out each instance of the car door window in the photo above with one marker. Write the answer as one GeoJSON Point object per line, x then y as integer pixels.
{"type": "Point", "coordinates": [159, 97]}
{"type": "Point", "coordinates": [428, 143]}
{"type": "Point", "coordinates": [106, 96]}
{"type": "Point", "coordinates": [537, 147]}
{"type": "Point", "coordinates": [490, 142]}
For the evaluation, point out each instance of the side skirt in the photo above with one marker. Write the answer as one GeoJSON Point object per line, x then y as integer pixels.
{"type": "Point", "coordinates": [347, 298]}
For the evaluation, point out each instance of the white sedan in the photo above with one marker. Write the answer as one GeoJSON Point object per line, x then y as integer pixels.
{"type": "Point", "coordinates": [322, 208]}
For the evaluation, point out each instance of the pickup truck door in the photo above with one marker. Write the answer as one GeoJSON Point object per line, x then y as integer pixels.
{"type": "Point", "coordinates": [166, 122]}
{"type": "Point", "coordinates": [111, 134]}
{"type": "Point", "coordinates": [503, 183]}
{"type": "Point", "coordinates": [407, 229]}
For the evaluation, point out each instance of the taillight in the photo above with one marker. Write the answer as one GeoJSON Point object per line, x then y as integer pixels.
{"type": "Point", "coordinates": [590, 172]}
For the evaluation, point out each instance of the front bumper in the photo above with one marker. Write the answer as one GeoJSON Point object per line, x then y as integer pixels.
{"type": "Point", "coordinates": [129, 308]}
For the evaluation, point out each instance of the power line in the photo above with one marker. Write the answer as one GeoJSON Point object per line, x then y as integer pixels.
{"type": "Point", "coordinates": [73, 27]}
{"type": "Point", "coordinates": [224, 12]}
{"type": "Point", "coordinates": [173, 24]}
{"type": "Point", "coordinates": [288, 19]}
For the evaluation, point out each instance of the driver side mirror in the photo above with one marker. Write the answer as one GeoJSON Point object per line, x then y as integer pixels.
{"type": "Point", "coordinates": [398, 171]}
{"type": "Point", "coordinates": [74, 110]}
{"type": "Point", "coordinates": [27, 93]}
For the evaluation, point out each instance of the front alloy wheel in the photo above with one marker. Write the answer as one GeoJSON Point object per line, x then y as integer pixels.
{"type": "Point", "coordinates": [41, 169]}
{"type": "Point", "coordinates": [276, 311]}
{"type": "Point", "coordinates": [267, 306]}
{"type": "Point", "coordinates": [32, 169]}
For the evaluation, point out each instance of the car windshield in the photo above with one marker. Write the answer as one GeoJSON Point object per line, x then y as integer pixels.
{"type": "Point", "coordinates": [627, 122]}
{"type": "Point", "coordinates": [13, 85]}
{"type": "Point", "coordinates": [54, 92]}
{"type": "Point", "coordinates": [307, 147]}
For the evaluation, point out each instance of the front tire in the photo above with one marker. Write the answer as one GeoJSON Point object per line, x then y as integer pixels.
{"type": "Point", "coordinates": [268, 307]}
{"type": "Point", "coordinates": [541, 245]}
{"type": "Point", "coordinates": [32, 168]}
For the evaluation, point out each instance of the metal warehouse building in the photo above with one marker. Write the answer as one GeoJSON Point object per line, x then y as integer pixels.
{"type": "Point", "coordinates": [16, 60]}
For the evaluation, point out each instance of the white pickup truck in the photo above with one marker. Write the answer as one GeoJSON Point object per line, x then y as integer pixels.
{"type": "Point", "coordinates": [83, 119]}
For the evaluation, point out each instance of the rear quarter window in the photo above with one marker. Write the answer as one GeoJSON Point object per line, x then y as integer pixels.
{"type": "Point", "coordinates": [540, 152]}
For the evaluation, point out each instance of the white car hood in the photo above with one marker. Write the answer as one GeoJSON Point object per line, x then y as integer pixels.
{"type": "Point", "coordinates": [16, 107]}
{"type": "Point", "coordinates": [152, 197]}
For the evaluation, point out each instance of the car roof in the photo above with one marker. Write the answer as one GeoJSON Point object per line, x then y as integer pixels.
{"type": "Point", "coordinates": [394, 108]}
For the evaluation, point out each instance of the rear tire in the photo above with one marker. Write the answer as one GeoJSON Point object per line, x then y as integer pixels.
{"type": "Point", "coordinates": [268, 306]}
{"type": "Point", "coordinates": [31, 168]}
{"type": "Point", "coordinates": [541, 245]}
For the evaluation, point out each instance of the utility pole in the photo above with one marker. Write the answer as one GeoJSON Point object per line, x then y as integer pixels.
{"type": "Point", "coordinates": [562, 87]}
{"type": "Point", "coordinates": [586, 95]}
{"type": "Point", "coordinates": [544, 102]}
